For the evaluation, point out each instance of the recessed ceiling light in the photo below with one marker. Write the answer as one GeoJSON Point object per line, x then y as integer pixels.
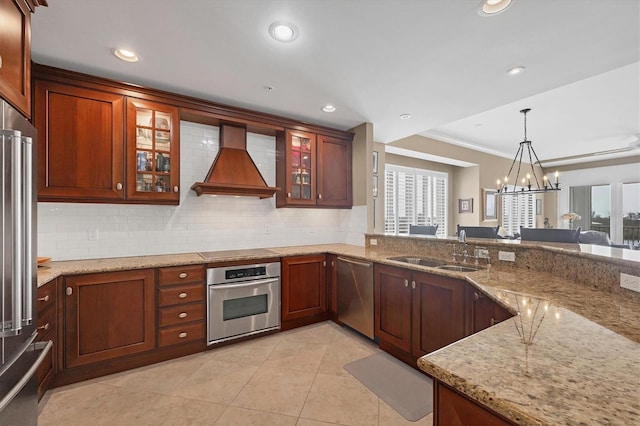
{"type": "Point", "coordinates": [405, 116]}
{"type": "Point", "coordinates": [126, 55]}
{"type": "Point", "coordinates": [328, 108]}
{"type": "Point", "coordinates": [283, 31]}
{"type": "Point", "coordinates": [516, 70]}
{"type": "Point", "coordinates": [493, 7]}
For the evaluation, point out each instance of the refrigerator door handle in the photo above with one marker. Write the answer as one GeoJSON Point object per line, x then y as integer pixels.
{"type": "Point", "coordinates": [17, 203]}
{"type": "Point", "coordinates": [27, 211]}
{"type": "Point", "coordinates": [44, 347]}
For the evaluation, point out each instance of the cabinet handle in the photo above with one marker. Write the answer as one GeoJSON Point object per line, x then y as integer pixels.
{"type": "Point", "coordinates": [0, 61]}
{"type": "Point", "coordinates": [324, 263]}
{"type": "Point", "coordinates": [175, 188]}
{"type": "Point", "coordinates": [182, 295]}
{"type": "Point", "coordinates": [182, 315]}
{"type": "Point", "coordinates": [413, 285]}
{"type": "Point", "coordinates": [319, 196]}
{"type": "Point", "coordinates": [406, 283]}
{"type": "Point", "coordinates": [333, 264]}
{"type": "Point", "coordinates": [43, 299]}
{"type": "Point", "coordinates": [69, 291]}
{"type": "Point", "coordinates": [119, 186]}
{"type": "Point", "coordinates": [44, 327]}
{"type": "Point", "coordinates": [183, 275]}
{"type": "Point", "coordinates": [182, 335]}
{"type": "Point", "coordinates": [476, 296]}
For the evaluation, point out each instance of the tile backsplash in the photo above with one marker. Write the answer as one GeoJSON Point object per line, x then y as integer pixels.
{"type": "Point", "coordinates": [68, 230]}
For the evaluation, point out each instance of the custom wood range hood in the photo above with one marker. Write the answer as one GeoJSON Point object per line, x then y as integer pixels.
{"type": "Point", "coordinates": [233, 172]}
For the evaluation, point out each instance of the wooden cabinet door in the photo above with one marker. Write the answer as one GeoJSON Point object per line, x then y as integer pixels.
{"type": "Point", "coordinates": [15, 54]}
{"type": "Point", "coordinates": [297, 169]}
{"type": "Point", "coordinates": [454, 409]}
{"type": "Point", "coordinates": [334, 172]}
{"type": "Point", "coordinates": [80, 144]}
{"type": "Point", "coordinates": [392, 311]}
{"type": "Point", "coordinates": [484, 311]}
{"type": "Point", "coordinates": [438, 312]}
{"type": "Point", "coordinates": [153, 161]}
{"type": "Point", "coordinates": [108, 315]}
{"type": "Point", "coordinates": [304, 289]}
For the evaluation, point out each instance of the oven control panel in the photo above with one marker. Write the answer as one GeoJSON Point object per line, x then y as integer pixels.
{"type": "Point", "coordinates": [258, 271]}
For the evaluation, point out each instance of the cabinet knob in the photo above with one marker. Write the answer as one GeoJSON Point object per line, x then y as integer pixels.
{"type": "Point", "coordinates": [0, 61]}
{"type": "Point", "coordinates": [175, 188]}
{"type": "Point", "coordinates": [44, 327]}
{"type": "Point", "coordinates": [182, 315]}
{"type": "Point", "coordinates": [493, 321]}
{"type": "Point", "coordinates": [476, 297]}
{"type": "Point", "coordinates": [182, 335]}
{"type": "Point", "coordinates": [413, 285]}
{"type": "Point", "coordinates": [183, 275]}
{"type": "Point", "coordinates": [406, 283]}
{"type": "Point", "coordinates": [324, 263]}
{"type": "Point", "coordinates": [69, 291]}
{"type": "Point", "coordinates": [182, 295]}
{"type": "Point", "coordinates": [288, 195]}
{"type": "Point", "coordinates": [119, 186]}
{"type": "Point", "coordinates": [319, 196]}
{"type": "Point", "coordinates": [43, 299]}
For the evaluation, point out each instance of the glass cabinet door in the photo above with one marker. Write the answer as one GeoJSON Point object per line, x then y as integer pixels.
{"type": "Point", "coordinates": [303, 163]}
{"type": "Point", "coordinates": [154, 130]}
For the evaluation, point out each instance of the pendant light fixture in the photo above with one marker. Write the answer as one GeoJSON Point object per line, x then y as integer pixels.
{"type": "Point", "coordinates": [526, 179]}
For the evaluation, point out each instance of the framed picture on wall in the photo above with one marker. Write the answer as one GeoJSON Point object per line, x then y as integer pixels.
{"type": "Point", "coordinates": [465, 205]}
{"type": "Point", "coordinates": [490, 205]}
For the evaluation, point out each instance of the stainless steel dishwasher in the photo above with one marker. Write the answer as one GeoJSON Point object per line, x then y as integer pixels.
{"type": "Point", "coordinates": [355, 295]}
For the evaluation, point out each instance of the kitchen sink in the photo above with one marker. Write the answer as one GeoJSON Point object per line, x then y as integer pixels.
{"type": "Point", "coordinates": [422, 261]}
{"type": "Point", "coordinates": [457, 268]}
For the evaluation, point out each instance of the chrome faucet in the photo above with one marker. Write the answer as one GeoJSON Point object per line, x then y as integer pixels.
{"type": "Point", "coordinates": [462, 236]}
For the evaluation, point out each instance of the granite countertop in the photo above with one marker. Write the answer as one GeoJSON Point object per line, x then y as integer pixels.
{"type": "Point", "coordinates": [582, 367]}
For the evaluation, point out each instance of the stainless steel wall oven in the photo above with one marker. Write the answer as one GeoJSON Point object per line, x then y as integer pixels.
{"type": "Point", "coordinates": [242, 300]}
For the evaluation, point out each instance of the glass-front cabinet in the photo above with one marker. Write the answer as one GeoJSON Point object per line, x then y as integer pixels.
{"type": "Point", "coordinates": [301, 176]}
{"type": "Point", "coordinates": [152, 152]}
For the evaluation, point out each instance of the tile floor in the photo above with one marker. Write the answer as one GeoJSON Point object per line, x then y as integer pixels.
{"type": "Point", "coordinates": [290, 378]}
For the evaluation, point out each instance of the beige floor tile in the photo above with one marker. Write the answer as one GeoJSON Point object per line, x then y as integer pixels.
{"type": "Point", "coordinates": [215, 381]}
{"type": "Point", "coordinates": [60, 405]}
{"type": "Point", "coordinates": [337, 355]}
{"type": "Point", "coordinates": [321, 333]}
{"type": "Point", "coordinates": [390, 417]}
{"type": "Point", "coordinates": [252, 352]}
{"type": "Point", "coordinates": [338, 399]}
{"type": "Point", "coordinates": [175, 411]}
{"type": "Point", "coordinates": [309, 422]}
{"type": "Point", "coordinates": [296, 356]}
{"type": "Point", "coordinates": [277, 390]}
{"type": "Point", "coordinates": [236, 416]}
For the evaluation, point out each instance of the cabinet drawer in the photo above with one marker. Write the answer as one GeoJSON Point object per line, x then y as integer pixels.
{"type": "Point", "coordinates": [181, 294]}
{"type": "Point", "coordinates": [180, 274]}
{"type": "Point", "coordinates": [180, 314]}
{"type": "Point", "coordinates": [181, 333]}
{"type": "Point", "coordinates": [46, 296]}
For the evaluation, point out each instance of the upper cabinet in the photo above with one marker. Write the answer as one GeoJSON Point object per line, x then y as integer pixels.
{"type": "Point", "coordinates": [15, 54]}
{"type": "Point", "coordinates": [152, 154]}
{"type": "Point", "coordinates": [313, 170]}
{"type": "Point", "coordinates": [98, 145]}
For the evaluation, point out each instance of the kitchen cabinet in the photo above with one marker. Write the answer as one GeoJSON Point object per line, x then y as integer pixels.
{"type": "Point", "coordinates": [80, 144]}
{"type": "Point", "coordinates": [101, 144]}
{"type": "Point", "coordinates": [46, 306]}
{"type": "Point", "coordinates": [484, 312]}
{"type": "Point", "coordinates": [313, 170]}
{"type": "Point", "coordinates": [108, 315]}
{"type": "Point", "coordinates": [181, 305]}
{"type": "Point", "coordinates": [15, 54]}
{"type": "Point", "coordinates": [454, 409]}
{"type": "Point", "coordinates": [304, 290]}
{"type": "Point", "coordinates": [332, 285]}
{"type": "Point", "coordinates": [152, 152]}
{"type": "Point", "coordinates": [416, 312]}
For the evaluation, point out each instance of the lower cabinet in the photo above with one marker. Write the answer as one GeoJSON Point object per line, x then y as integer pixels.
{"type": "Point", "coordinates": [304, 290]}
{"type": "Point", "coordinates": [484, 311]}
{"type": "Point", "coordinates": [417, 312]}
{"type": "Point", "coordinates": [108, 315]}
{"type": "Point", "coordinates": [47, 310]}
{"type": "Point", "coordinates": [454, 409]}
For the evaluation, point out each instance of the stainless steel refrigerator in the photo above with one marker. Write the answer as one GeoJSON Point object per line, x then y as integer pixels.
{"type": "Point", "coordinates": [19, 355]}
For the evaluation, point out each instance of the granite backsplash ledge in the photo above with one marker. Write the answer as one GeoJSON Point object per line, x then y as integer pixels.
{"type": "Point", "coordinates": [562, 260]}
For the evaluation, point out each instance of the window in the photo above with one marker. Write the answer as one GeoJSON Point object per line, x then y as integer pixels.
{"type": "Point", "coordinates": [593, 204]}
{"type": "Point", "coordinates": [414, 197]}
{"type": "Point", "coordinates": [518, 211]}
{"type": "Point", "coordinates": [631, 214]}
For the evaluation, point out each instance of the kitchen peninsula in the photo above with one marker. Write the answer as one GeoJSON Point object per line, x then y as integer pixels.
{"type": "Point", "coordinates": [583, 360]}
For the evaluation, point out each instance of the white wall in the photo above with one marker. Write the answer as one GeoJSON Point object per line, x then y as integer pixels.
{"type": "Point", "coordinates": [613, 175]}
{"type": "Point", "coordinates": [199, 223]}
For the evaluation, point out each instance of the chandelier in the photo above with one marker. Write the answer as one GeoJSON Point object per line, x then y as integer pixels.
{"type": "Point", "coordinates": [530, 183]}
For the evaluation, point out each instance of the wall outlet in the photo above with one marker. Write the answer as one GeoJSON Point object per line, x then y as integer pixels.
{"type": "Point", "coordinates": [507, 256]}
{"type": "Point", "coordinates": [92, 234]}
{"type": "Point", "coordinates": [630, 282]}
{"type": "Point", "coordinates": [482, 253]}
{"type": "Point", "coordinates": [373, 242]}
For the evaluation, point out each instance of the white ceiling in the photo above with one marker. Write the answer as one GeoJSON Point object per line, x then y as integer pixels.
{"type": "Point", "coordinates": [438, 60]}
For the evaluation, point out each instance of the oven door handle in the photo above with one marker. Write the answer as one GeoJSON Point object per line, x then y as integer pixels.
{"type": "Point", "coordinates": [240, 285]}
